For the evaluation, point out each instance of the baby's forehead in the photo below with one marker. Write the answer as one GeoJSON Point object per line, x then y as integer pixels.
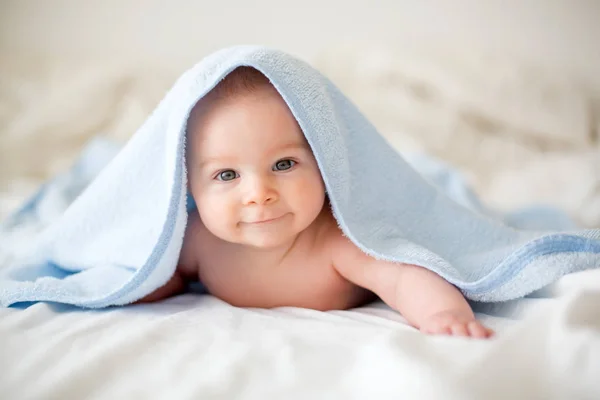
{"type": "Point", "coordinates": [215, 100]}
{"type": "Point", "coordinates": [226, 132]}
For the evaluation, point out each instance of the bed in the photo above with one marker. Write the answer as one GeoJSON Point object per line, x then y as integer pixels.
{"type": "Point", "coordinates": [547, 345]}
{"type": "Point", "coordinates": [191, 347]}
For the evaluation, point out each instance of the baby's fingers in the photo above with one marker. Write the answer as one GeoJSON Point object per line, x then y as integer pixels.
{"type": "Point", "coordinates": [459, 329]}
{"type": "Point", "coordinates": [436, 330]}
{"type": "Point", "coordinates": [479, 331]}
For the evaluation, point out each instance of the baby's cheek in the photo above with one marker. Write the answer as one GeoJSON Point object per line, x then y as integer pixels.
{"type": "Point", "coordinates": [310, 194]}
{"type": "Point", "coordinates": [306, 208]}
{"type": "Point", "coordinates": [215, 216]}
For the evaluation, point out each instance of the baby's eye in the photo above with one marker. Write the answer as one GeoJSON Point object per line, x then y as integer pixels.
{"type": "Point", "coordinates": [227, 175]}
{"type": "Point", "coordinates": [282, 165]}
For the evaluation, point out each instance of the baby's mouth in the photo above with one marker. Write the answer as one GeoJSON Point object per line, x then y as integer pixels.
{"type": "Point", "coordinates": [265, 220]}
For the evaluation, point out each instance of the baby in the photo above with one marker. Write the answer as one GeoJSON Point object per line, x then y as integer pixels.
{"type": "Point", "coordinates": [263, 234]}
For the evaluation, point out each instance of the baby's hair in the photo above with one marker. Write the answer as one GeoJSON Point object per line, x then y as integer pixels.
{"type": "Point", "coordinates": [240, 80]}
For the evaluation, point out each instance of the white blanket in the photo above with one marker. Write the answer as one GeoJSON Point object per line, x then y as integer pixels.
{"type": "Point", "coordinates": [192, 347]}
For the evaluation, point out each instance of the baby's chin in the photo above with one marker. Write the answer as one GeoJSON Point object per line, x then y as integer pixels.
{"type": "Point", "coordinates": [268, 242]}
{"type": "Point", "coordinates": [265, 240]}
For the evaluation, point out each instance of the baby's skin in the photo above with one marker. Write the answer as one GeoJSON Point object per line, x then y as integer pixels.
{"type": "Point", "coordinates": [263, 234]}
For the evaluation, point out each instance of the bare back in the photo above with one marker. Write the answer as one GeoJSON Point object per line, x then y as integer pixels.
{"type": "Point", "coordinates": [302, 277]}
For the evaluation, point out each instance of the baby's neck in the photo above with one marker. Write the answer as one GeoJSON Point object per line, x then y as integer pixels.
{"type": "Point", "coordinates": [270, 255]}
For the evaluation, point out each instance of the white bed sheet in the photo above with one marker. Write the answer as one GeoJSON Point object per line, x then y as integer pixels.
{"type": "Point", "coordinates": [192, 347]}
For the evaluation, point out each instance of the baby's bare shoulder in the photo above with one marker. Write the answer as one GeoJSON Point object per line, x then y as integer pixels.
{"type": "Point", "coordinates": [358, 267]}
{"type": "Point", "coordinates": [343, 250]}
{"type": "Point", "coordinates": [188, 256]}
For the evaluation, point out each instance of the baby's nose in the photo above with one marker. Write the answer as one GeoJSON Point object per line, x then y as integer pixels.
{"type": "Point", "coordinates": [260, 191]}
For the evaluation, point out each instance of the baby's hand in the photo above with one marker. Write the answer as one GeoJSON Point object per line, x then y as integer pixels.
{"type": "Point", "coordinates": [456, 324]}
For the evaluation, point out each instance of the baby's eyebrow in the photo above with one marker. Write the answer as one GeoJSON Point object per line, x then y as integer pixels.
{"type": "Point", "coordinates": [214, 160]}
{"type": "Point", "coordinates": [293, 146]}
{"type": "Point", "coordinates": [228, 160]}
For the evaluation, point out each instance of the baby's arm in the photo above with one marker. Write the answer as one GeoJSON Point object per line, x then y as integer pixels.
{"type": "Point", "coordinates": [176, 285]}
{"type": "Point", "coordinates": [186, 271]}
{"type": "Point", "coordinates": [427, 301]}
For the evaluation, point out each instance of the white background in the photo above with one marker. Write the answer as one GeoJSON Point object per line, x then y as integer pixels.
{"type": "Point", "coordinates": [561, 34]}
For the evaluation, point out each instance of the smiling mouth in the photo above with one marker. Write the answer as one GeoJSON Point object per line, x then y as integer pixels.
{"type": "Point", "coordinates": [265, 221]}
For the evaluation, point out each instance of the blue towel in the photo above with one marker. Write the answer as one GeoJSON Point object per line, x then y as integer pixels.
{"type": "Point", "coordinates": [120, 238]}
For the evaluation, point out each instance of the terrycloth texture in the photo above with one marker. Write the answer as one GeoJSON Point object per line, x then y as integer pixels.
{"type": "Point", "coordinates": [121, 238]}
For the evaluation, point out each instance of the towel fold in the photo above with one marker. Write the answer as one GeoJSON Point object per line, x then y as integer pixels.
{"type": "Point", "coordinates": [120, 238]}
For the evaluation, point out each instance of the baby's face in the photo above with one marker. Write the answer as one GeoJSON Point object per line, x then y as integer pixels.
{"type": "Point", "coordinates": [252, 174]}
